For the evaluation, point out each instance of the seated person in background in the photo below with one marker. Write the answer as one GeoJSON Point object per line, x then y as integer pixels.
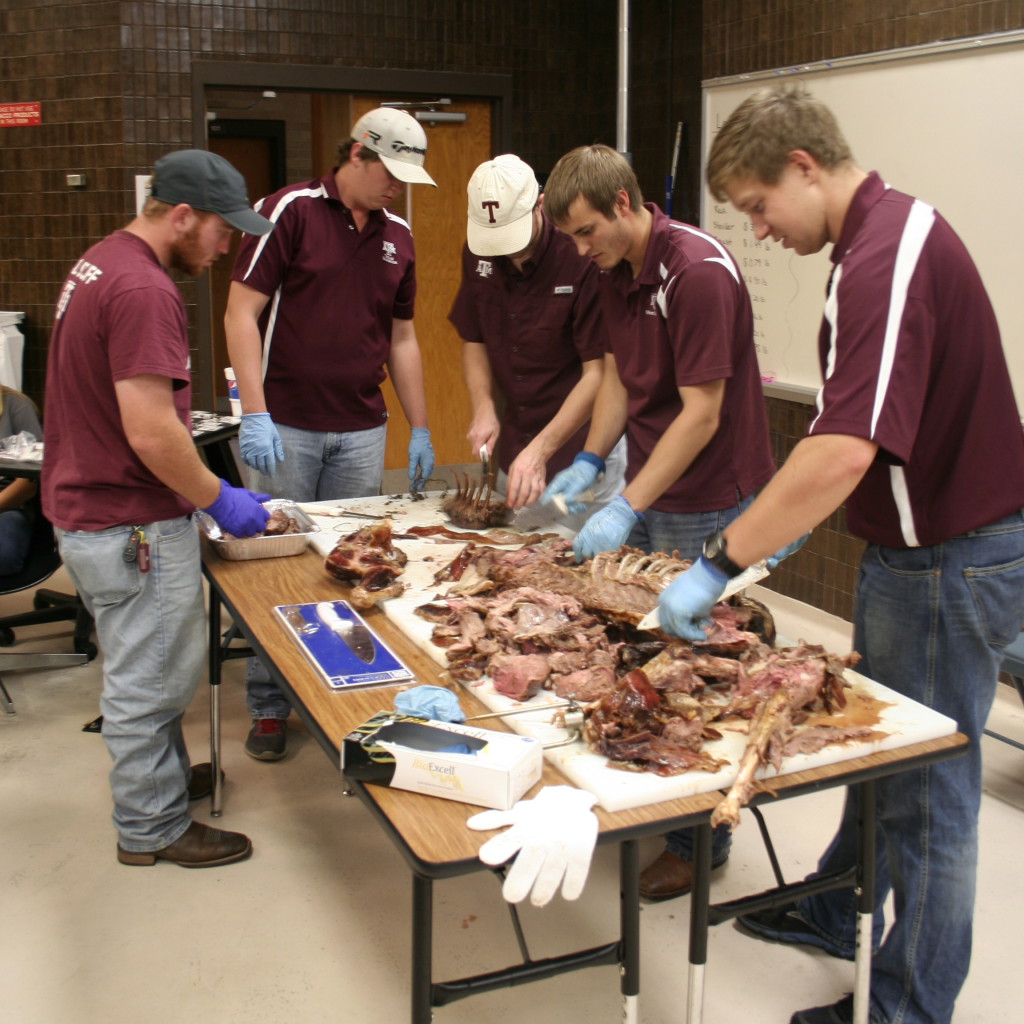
{"type": "Point", "coordinates": [17, 413]}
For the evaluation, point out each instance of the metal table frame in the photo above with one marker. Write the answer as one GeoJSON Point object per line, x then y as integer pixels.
{"type": "Point", "coordinates": [625, 950]}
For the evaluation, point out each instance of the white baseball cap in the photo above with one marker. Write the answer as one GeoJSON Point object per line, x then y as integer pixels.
{"type": "Point", "coordinates": [398, 139]}
{"type": "Point", "coordinates": [502, 195]}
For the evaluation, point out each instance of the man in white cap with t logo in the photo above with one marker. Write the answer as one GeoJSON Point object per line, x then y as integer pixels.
{"type": "Point", "coordinates": [315, 313]}
{"type": "Point", "coordinates": [532, 335]}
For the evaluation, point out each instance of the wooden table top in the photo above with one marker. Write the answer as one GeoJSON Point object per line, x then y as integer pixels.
{"type": "Point", "coordinates": [433, 829]}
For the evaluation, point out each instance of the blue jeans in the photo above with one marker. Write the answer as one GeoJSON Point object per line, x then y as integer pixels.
{"type": "Point", "coordinates": [151, 628]}
{"type": "Point", "coordinates": [931, 623]}
{"type": "Point", "coordinates": [15, 540]}
{"type": "Point", "coordinates": [685, 532]}
{"type": "Point", "coordinates": [318, 466]}
{"type": "Point", "coordinates": [325, 465]}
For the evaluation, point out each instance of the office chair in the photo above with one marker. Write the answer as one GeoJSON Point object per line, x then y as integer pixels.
{"type": "Point", "coordinates": [48, 606]}
{"type": "Point", "coordinates": [1013, 666]}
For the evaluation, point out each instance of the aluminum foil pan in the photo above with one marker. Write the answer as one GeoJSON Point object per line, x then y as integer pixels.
{"type": "Point", "coordinates": [240, 549]}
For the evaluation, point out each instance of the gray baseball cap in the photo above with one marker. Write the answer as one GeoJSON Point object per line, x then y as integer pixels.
{"type": "Point", "coordinates": [208, 182]}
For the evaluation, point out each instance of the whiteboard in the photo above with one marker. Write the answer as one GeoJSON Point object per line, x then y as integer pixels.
{"type": "Point", "coordinates": [946, 127]}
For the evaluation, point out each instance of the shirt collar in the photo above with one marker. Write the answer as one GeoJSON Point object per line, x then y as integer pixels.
{"type": "Point", "coordinates": [870, 190]}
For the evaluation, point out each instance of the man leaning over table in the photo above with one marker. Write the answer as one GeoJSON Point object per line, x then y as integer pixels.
{"type": "Point", "coordinates": [532, 339]}
{"type": "Point", "coordinates": [121, 479]}
{"type": "Point", "coordinates": [917, 430]}
{"type": "Point", "coordinates": [315, 313]}
{"type": "Point", "coordinates": [681, 382]}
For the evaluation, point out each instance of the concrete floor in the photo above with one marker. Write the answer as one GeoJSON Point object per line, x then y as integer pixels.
{"type": "Point", "coordinates": [315, 926]}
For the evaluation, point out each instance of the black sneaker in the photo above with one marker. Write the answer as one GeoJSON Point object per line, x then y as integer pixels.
{"type": "Point", "coordinates": [787, 924]}
{"type": "Point", "coordinates": [837, 1013]}
{"type": "Point", "coordinates": [267, 739]}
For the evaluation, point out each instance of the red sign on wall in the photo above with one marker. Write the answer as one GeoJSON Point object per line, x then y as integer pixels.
{"type": "Point", "coordinates": [12, 114]}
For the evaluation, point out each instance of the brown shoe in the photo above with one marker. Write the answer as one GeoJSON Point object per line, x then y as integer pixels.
{"type": "Point", "coordinates": [667, 877]}
{"type": "Point", "coordinates": [200, 782]}
{"type": "Point", "coordinates": [199, 846]}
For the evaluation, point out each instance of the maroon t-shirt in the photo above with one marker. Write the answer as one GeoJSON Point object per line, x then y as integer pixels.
{"type": "Point", "coordinates": [538, 326]}
{"type": "Point", "coordinates": [686, 320]}
{"type": "Point", "coordinates": [334, 292]}
{"type": "Point", "coordinates": [912, 360]}
{"type": "Point", "coordinates": [118, 316]}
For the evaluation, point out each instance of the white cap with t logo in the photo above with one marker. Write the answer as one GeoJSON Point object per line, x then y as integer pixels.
{"type": "Point", "coordinates": [502, 195]}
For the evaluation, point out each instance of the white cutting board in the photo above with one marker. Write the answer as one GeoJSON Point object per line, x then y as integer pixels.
{"type": "Point", "coordinates": [902, 721]}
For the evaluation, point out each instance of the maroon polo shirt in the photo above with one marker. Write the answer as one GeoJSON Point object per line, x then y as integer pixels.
{"type": "Point", "coordinates": [685, 320]}
{"type": "Point", "coordinates": [912, 359]}
{"type": "Point", "coordinates": [538, 326]}
{"type": "Point", "coordinates": [334, 293]}
{"type": "Point", "coordinates": [119, 315]}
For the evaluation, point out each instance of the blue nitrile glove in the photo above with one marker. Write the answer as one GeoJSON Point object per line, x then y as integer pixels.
{"type": "Point", "coordinates": [573, 480]}
{"type": "Point", "coordinates": [606, 529]}
{"type": "Point", "coordinates": [772, 561]}
{"type": "Point", "coordinates": [238, 511]}
{"type": "Point", "coordinates": [430, 702]}
{"type": "Point", "coordinates": [686, 602]}
{"type": "Point", "coordinates": [259, 442]}
{"type": "Point", "coordinates": [421, 458]}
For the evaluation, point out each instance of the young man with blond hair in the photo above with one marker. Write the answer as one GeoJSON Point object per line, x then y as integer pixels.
{"type": "Point", "coordinates": [916, 429]}
{"type": "Point", "coordinates": [681, 382]}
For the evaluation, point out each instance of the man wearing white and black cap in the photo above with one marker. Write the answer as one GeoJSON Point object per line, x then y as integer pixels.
{"type": "Point", "coordinates": [122, 479]}
{"type": "Point", "coordinates": [318, 312]}
{"type": "Point", "coordinates": [532, 336]}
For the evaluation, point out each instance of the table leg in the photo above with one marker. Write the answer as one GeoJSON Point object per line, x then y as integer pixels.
{"type": "Point", "coordinates": [700, 896]}
{"type": "Point", "coordinates": [213, 671]}
{"type": "Point", "coordinates": [865, 901]}
{"type": "Point", "coordinates": [629, 908]}
{"type": "Point", "coordinates": [422, 949]}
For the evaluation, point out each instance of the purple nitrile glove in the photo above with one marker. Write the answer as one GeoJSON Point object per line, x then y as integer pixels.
{"type": "Point", "coordinates": [606, 529]}
{"type": "Point", "coordinates": [238, 511]}
{"type": "Point", "coordinates": [685, 603]}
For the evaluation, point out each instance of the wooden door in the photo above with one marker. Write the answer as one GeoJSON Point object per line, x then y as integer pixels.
{"type": "Point", "coordinates": [255, 157]}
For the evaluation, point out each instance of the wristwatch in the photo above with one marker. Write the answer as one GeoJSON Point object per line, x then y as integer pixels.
{"type": "Point", "coordinates": [715, 553]}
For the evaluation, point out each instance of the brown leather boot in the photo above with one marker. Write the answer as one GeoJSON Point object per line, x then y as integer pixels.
{"type": "Point", "coordinates": [667, 877]}
{"type": "Point", "coordinates": [199, 846]}
{"type": "Point", "coordinates": [200, 783]}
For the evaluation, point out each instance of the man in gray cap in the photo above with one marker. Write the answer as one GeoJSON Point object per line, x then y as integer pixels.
{"type": "Point", "coordinates": [315, 313]}
{"type": "Point", "coordinates": [533, 339]}
{"type": "Point", "coordinates": [122, 479]}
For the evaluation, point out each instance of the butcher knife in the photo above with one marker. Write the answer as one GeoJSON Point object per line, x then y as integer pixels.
{"type": "Point", "coordinates": [356, 635]}
{"type": "Point", "coordinates": [752, 574]}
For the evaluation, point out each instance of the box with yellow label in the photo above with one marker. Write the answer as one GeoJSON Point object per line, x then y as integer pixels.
{"type": "Point", "coordinates": [457, 762]}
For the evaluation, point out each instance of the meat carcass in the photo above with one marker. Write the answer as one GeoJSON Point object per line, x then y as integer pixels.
{"type": "Point", "coordinates": [369, 559]}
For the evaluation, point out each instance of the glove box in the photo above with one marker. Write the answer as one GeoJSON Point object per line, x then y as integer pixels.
{"type": "Point", "coordinates": [457, 762]}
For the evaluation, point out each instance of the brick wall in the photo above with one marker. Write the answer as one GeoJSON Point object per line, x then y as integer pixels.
{"type": "Point", "coordinates": [114, 80]}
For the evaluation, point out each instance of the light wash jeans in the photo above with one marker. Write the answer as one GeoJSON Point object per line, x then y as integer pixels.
{"type": "Point", "coordinates": [317, 466]}
{"type": "Point", "coordinates": [686, 532]}
{"type": "Point", "coordinates": [151, 629]}
{"type": "Point", "coordinates": [15, 540]}
{"type": "Point", "coordinates": [325, 465]}
{"type": "Point", "coordinates": [931, 623]}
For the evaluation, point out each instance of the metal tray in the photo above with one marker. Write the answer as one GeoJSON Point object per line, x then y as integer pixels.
{"type": "Point", "coordinates": [240, 549]}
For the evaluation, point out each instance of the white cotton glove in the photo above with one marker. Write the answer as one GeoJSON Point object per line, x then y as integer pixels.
{"type": "Point", "coordinates": [554, 836]}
